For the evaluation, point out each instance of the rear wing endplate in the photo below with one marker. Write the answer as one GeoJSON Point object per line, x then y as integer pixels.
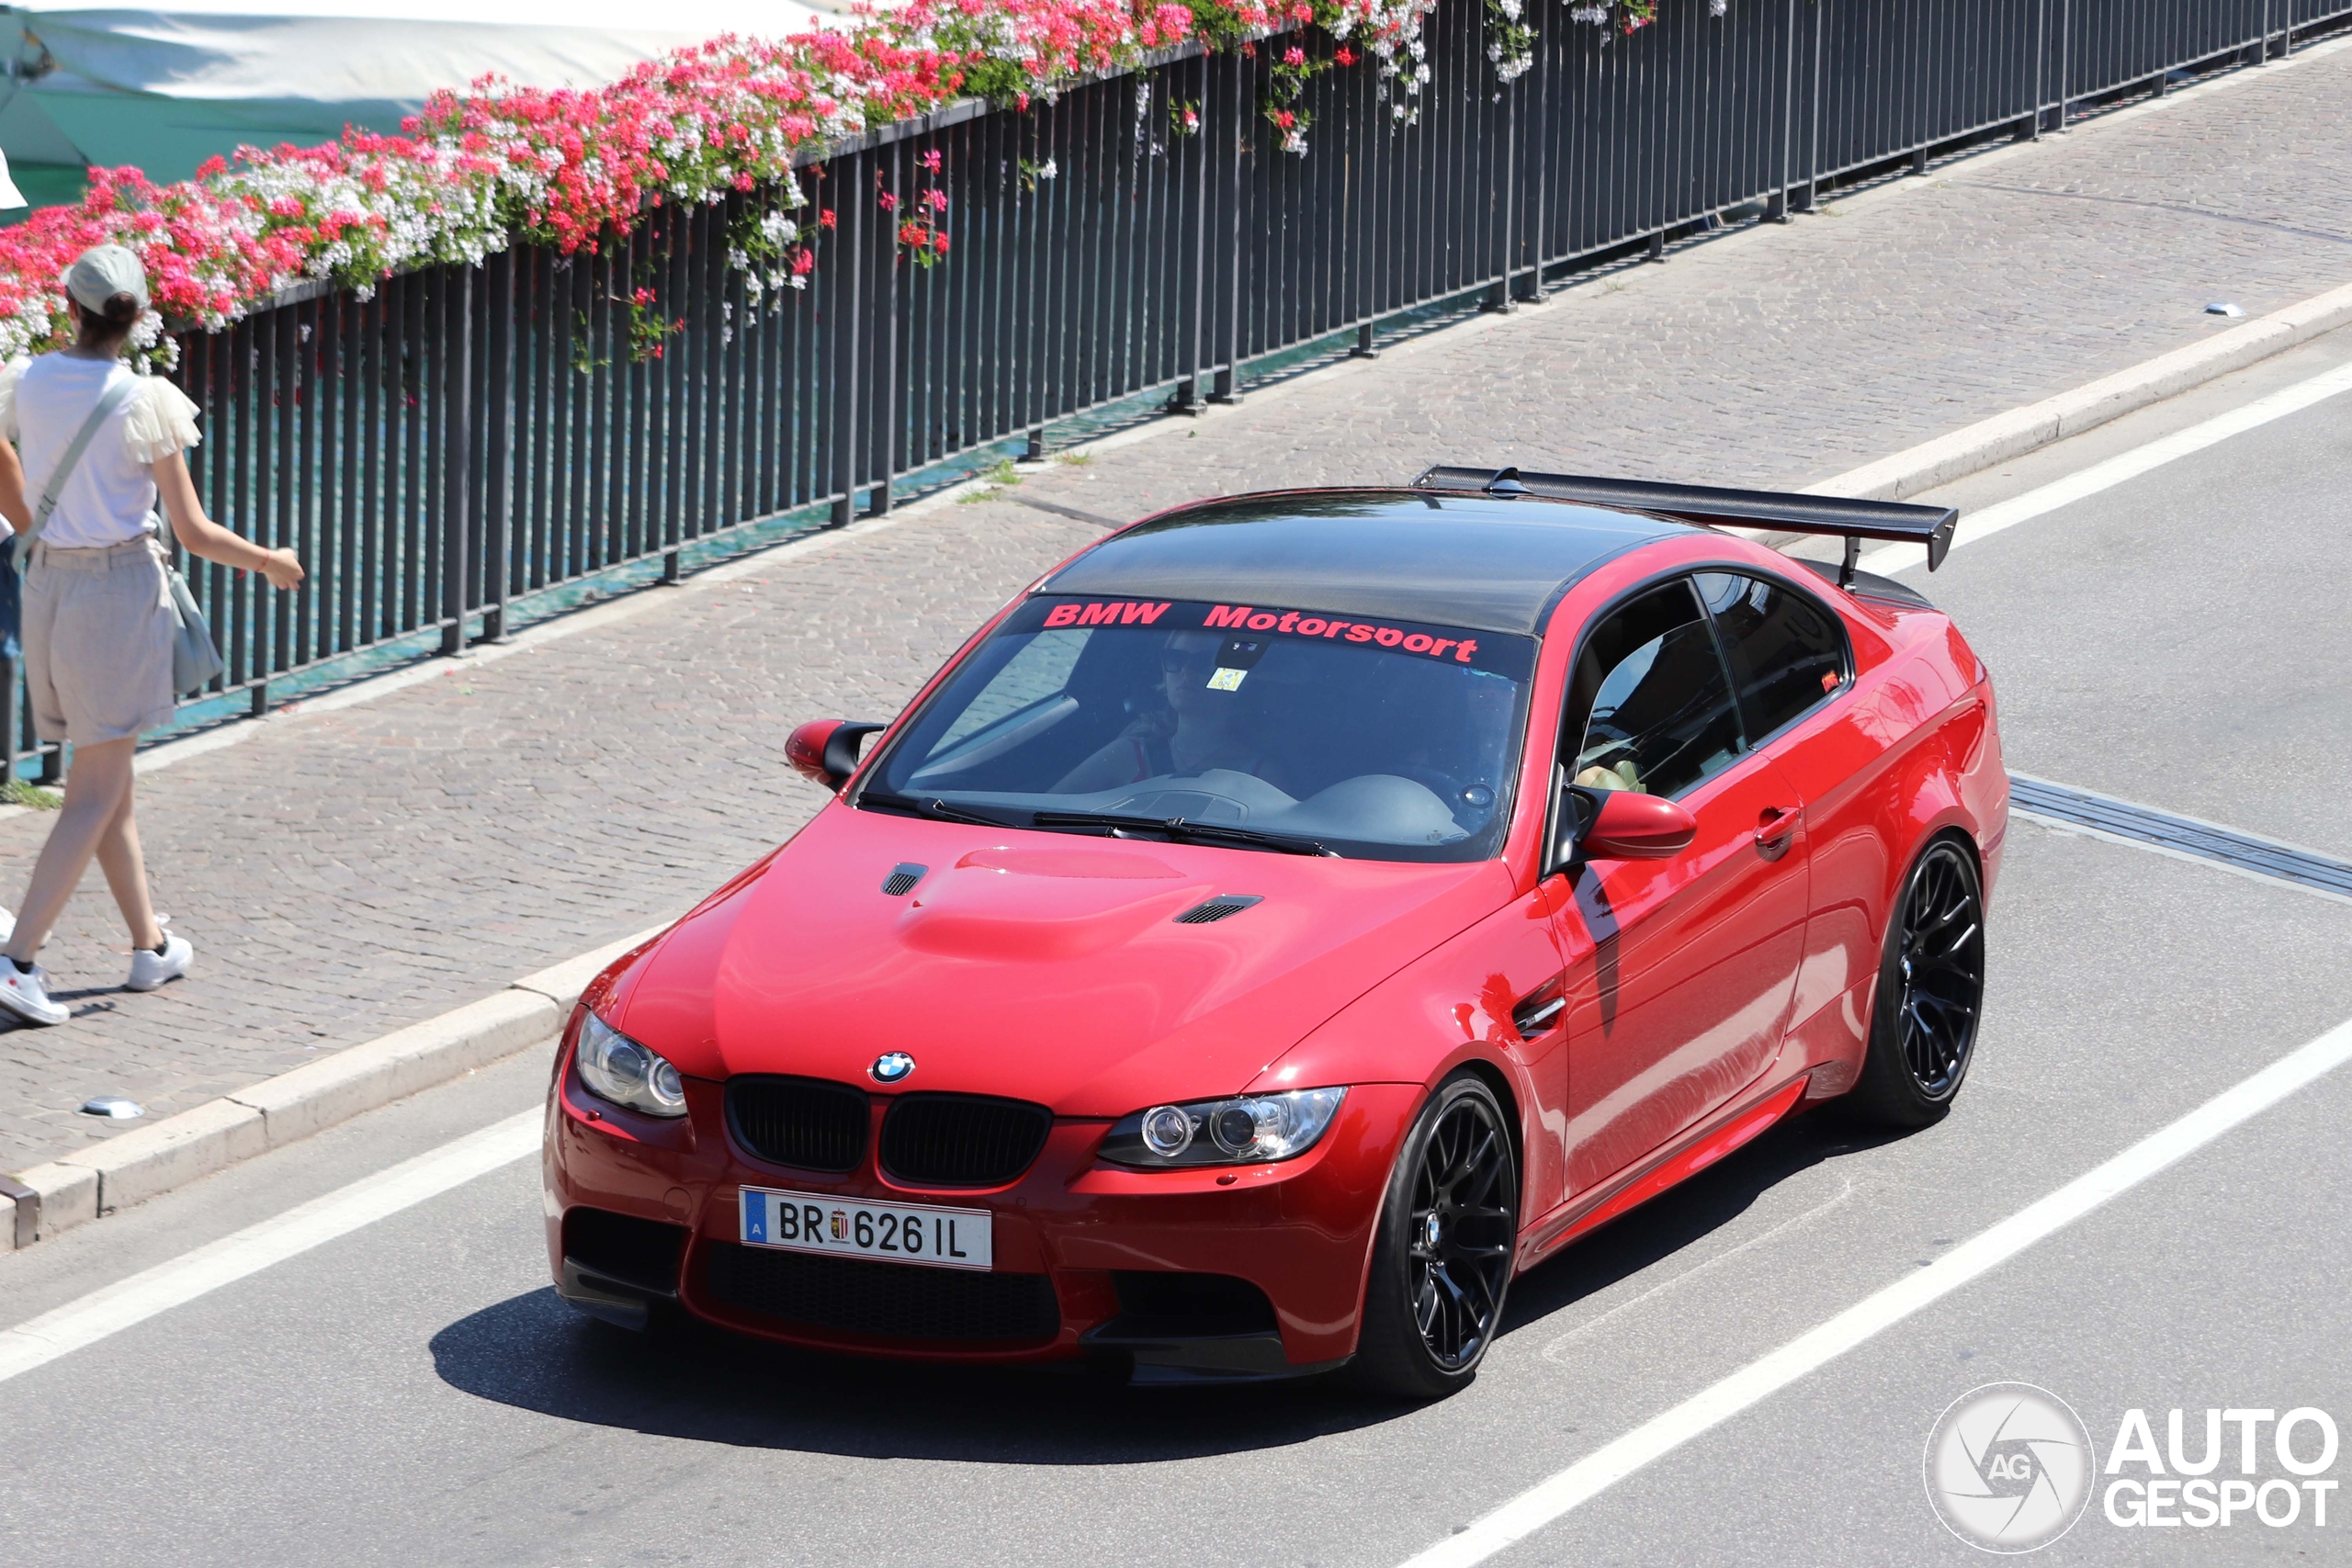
{"type": "Point", "coordinates": [1852, 521]}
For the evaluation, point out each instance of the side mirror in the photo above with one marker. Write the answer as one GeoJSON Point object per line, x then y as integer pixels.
{"type": "Point", "coordinates": [1637, 827]}
{"type": "Point", "coordinates": [824, 751]}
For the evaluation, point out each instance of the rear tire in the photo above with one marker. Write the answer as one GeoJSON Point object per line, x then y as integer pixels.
{"type": "Point", "coordinates": [1930, 992]}
{"type": "Point", "coordinates": [1441, 1258]}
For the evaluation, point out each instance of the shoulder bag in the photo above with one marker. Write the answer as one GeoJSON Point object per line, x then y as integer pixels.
{"type": "Point", "coordinates": [195, 661]}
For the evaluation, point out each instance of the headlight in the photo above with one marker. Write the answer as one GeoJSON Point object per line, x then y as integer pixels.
{"type": "Point", "coordinates": [617, 1069]}
{"type": "Point", "coordinates": [1248, 1130]}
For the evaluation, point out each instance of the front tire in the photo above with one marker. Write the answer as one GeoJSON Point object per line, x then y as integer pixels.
{"type": "Point", "coordinates": [1442, 1259]}
{"type": "Point", "coordinates": [1930, 992]}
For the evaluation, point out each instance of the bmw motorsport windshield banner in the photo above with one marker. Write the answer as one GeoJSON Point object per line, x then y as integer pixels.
{"type": "Point", "coordinates": [1251, 627]}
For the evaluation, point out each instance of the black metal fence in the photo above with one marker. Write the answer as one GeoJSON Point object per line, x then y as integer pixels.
{"type": "Point", "coordinates": [468, 436]}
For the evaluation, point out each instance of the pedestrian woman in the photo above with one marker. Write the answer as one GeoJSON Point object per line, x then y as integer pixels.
{"type": "Point", "coordinates": [96, 448]}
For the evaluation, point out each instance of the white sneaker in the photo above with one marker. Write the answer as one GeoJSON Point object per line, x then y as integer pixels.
{"type": "Point", "coordinates": [7, 926]}
{"type": "Point", "coordinates": [25, 995]}
{"type": "Point", "coordinates": [149, 969]}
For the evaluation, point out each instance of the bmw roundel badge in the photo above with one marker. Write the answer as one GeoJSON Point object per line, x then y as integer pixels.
{"type": "Point", "coordinates": [891, 1066]}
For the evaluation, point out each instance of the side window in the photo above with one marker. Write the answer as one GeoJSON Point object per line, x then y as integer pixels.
{"type": "Point", "coordinates": [1657, 712]}
{"type": "Point", "coordinates": [1787, 652]}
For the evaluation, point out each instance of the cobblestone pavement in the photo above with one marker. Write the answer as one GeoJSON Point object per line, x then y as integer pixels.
{"type": "Point", "coordinates": [343, 874]}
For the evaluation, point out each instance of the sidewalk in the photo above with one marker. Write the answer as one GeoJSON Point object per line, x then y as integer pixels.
{"type": "Point", "coordinates": [344, 874]}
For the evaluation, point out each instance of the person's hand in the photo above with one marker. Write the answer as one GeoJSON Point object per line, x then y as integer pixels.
{"type": "Point", "coordinates": [284, 570]}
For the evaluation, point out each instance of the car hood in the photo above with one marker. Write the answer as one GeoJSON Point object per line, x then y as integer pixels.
{"type": "Point", "coordinates": [1041, 966]}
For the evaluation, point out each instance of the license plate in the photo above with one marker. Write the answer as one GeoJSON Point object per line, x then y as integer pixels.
{"type": "Point", "coordinates": [894, 1232]}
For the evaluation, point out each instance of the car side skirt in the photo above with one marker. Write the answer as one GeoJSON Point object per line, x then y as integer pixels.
{"type": "Point", "coordinates": [1717, 1139]}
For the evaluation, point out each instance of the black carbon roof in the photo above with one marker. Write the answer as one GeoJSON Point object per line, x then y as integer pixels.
{"type": "Point", "coordinates": [1453, 559]}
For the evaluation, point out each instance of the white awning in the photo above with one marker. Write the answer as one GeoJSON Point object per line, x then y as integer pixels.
{"type": "Point", "coordinates": [169, 87]}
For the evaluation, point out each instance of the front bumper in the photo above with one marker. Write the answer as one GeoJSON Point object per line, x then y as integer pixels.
{"type": "Point", "coordinates": [1083, 1248]}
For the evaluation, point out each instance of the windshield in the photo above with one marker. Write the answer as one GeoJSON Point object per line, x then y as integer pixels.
{"type": "Point", "coordinates": [1385, 740]}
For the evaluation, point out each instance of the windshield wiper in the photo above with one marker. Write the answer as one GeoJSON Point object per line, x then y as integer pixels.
{"type": "Point", "coordinates": [1183, 831]}
{"type": "Point", "coordinates": [938, 810]}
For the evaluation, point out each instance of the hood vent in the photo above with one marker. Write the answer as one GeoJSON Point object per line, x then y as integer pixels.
{"type": "Point", "coordinates": [1216, 909]}
{"type": "Point", "coordinates": [902, 879]}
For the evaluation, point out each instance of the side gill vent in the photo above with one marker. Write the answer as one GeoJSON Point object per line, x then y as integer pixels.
{"type": "Point", "coordinates": [902, 879]}
{"type": "Point", "coordinates": [1216, 909]}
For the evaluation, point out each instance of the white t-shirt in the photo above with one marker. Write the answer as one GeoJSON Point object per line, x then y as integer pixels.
{"type": "Point", "coordinates": [109, 499]}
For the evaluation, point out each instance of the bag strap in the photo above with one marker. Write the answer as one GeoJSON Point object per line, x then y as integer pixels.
{"type": "Point", "coordinates": [112, 401]}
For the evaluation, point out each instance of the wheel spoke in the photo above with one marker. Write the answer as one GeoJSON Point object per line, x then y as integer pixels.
{"type": "Point", "coordinates": [1941, 947]}
{"type": "Point", "coordinates": [1463, 1186]}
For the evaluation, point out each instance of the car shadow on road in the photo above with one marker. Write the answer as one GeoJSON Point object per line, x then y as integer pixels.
{"type": "Point", "coordinates": [533, 1352]}
{"type": "Point", "coordinates": [1680, 1218]}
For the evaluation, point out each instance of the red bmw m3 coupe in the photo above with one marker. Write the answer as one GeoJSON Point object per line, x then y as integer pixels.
{"type": "Point", "coordinates": [1290, 919]}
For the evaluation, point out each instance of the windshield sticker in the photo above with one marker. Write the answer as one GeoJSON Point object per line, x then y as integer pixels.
{"type": "Point", "coordinates": [1248, 631]}
{"type": "Point", "coordinates": [1116, 613]}
{"type": "Point", "coordinates": [1295, 625]}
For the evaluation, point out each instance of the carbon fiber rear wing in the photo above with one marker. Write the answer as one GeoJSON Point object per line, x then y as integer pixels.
{"type": "Point", "coordinates": [1852, 521]}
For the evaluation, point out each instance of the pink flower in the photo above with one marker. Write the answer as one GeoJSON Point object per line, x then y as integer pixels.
{"type": "Point", "coordinates": [1293, 56]}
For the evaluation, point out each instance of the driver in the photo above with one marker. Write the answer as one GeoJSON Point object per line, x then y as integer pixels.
{"type": "Point", "coordinates": [1198, 727]}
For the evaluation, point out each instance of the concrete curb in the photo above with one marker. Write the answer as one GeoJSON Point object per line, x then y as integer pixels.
{"type": "Point", "coordinates": [141, 1164]}
{"type": "Point", "coordinates": [1980, 446]}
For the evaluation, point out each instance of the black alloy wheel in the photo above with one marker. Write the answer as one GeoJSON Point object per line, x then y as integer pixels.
{"type": "Point", "coordinates": [1449, 1233]}
{"type": "Point", "coordinates": [1930, 992]}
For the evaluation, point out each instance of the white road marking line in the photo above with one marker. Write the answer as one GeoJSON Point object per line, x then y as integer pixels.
{"type": "Point", "coordinates": [2115, 470]}
{"type": "Point", "coordinates": [1547, 1500]}
{"type": "Point", "coordinates": [1554, 1351]}
{"type": "Point", "coordinates": [121, 1305]}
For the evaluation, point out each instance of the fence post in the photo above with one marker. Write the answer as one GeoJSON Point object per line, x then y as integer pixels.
{"type": "Point", "coordinates": [1366, 147]}
{"type": "Point", "coordinates": [1193, 248]}
{"type": "Point", "coordinates": [1777, 208]}
{"type": "Point", "coordinates": [1227, 388]}
{"type": "Point", "coordinates": [11, 672]}
{"type": "Point", "coordinates": [1818, 11]}
{"type": "Point", "coordinates": [457, 464]}
{"type": "Point", "coordinates": [2031, 130]}
{"type": "Point", "coordinates": [498, 446]}
{"type": "Point", "coordinates": [1498, 294]}
{"type": "Point", "coordinates": [2065, 62]}
{"type": "Point", "coordinates": [849, 257]}
{"type": "Point", "coordinates": [886, 347]}
{"type": "Point", "coordinates": [1536, 176]}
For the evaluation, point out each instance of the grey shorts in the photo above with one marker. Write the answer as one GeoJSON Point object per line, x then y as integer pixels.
{"type": "Point", "coordinates": [97, 643]}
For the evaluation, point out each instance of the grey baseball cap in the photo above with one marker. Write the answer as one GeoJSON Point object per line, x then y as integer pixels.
{"type": "Point", "coordinates": [102, 272]}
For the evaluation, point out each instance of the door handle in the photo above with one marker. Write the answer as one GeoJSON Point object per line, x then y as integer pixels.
{"type": "Point", "coordinates": [1775, 828]}
{"type": "Point", "coordinates": [1539, 1009]}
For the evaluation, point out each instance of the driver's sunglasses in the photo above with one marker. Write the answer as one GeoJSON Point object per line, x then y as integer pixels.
{"type": "Point", "coordinates": [1173, 662]}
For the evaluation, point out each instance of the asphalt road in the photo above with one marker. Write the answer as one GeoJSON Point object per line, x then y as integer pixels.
{"type": "Point", "coordinates": [412, 1393]}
